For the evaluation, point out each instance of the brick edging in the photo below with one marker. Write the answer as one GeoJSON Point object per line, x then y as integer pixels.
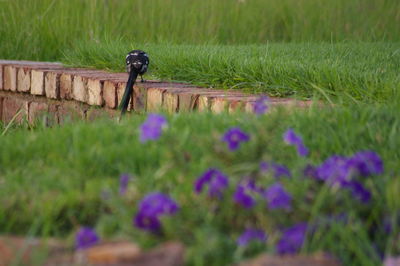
{"type": "Point", "coordinates": [51, 81]}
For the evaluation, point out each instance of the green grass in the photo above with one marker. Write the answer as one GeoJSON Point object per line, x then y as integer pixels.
{"type": "Point", "coordinates": [350, 72]}
{"type": "Point", "coordinates": [43, 29]}
{"type": "Point", "coordinates": [346, 49]}
{"type": "Point", "coordinates": [52, 180]}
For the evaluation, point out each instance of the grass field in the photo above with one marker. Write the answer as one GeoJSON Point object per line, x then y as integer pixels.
{"type": "Point", "coordinates": [68, 170]}
{"type": "Point", "coordinates": [343, 51]}
{"type": "Point", "coordinates": [346, 72]}
{"type": "Point", "coordinates": [346, 52]}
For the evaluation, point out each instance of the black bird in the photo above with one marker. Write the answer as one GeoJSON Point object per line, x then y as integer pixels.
{"type": "Point", "coordinates": [137, 63]}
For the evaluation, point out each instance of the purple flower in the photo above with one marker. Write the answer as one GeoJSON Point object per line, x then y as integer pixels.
{"type": "Point", "coordinates": [123, 183]}
{"type": "Point", "coordinates": [277, 197]}
{"type": "Point", "coordinates": [367, 163]}
{"type": "Point", "coordinates": [279, 170]}
{"type": "Point", "coordinates": [334, 170]}
{"type": "Point", "coordinates": [233, 137]}
{"type": "Point", "coordinates": [151, 129]}
{"type": "Point", "coordinates": [243, 194]}
{"type": "Point", "coordinates": [85, 238]}
{"type": "Point", "coordinates": [250, 235]}
{"type": "Point", "coordinates": [310, 171]}
{"type": "Point", "coordinates": [260, 106]}
{"type": "Point", "coordinates": [291, 138]}
{"type": "Point", "coordinates": [156, 204]}
{"type": "Point", "coordinates": [358, 191]}
{"type": "Point", "coordinates": [151, 208]}
{"type": "Point", "coordinates": [215, 180]}
{"type": "Point", "coordinates": [147, 223]}
{"type": "Point", "coordinates": [292, 239]}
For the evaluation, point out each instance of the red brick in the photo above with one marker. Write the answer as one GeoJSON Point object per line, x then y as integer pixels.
{"type": "Point", "coordinates": [110, 93]}
{"type": "Point", "coordinates": [36, 111]}
{"type": "Point", "coordinates": [154, 99]}
{"type": "Point", "coordinates": [139, 99]}
{"type": "Point", "coordinates": [10, 78]}
{"type": "Point", "coordinates": [79, 88]}
{"type": "Point", "coordinates": [52, 85]}
{"type": "Point", "coordinates": [23, 79]}
{"type": "Point", "coordinates": [66, 86]}
{"type": "Point", "coordinates": [71, 111]}
{"type": "Point", "coordinates": [11, 106]}
{"type": "Point", "coordinates": [95, 91]}
{"type": "Point", "coordinates": [1, 77]}
{"type": "Point", "coordinates": [37, 82]}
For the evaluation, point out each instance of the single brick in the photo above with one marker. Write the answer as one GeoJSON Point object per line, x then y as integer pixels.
{"type": "Point", "coordinates": [218, 105]}
{"type": "Point", "coordinates": [236, 105]}
{"type": "Point", "coordinates": [14, 107]}
{"type": "Point", "coordinates": [171, 102]}
{"type": "Point", "coordinates": [139, 99]}
{"type": "Point", "coordinates": [71, 111]}
{"type": "Point", "coordinates": [66, 80]}
{"type": "Point", "coordinates": [95, 91]}
{"type": "Point", "coordinates": [52, 85]}
{"type": "Point", "coordinates": [110, 93]}
{"type": "Point", "coordinates": [24, 79]}
{"type": "Point", "coordinates": [249, 107]}
{"type": "Point", "coordinates": [10, 78]}
{"type": "Point", "coordinates": [79, 91]}
{"type": "Point", "coordinates": [37, 82]}
{"type": "Point", "coordinates": [37, 110]}
{"type": "Point", "coordinates": [1, 78]}
{"type": "Point", "coordinates": [154, 99]}
{"type": "Point", "coordinates": [52, 118]}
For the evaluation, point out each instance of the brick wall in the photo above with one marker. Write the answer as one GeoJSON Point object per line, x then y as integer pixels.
{"type": "Point", "coordinates": [49, 90]}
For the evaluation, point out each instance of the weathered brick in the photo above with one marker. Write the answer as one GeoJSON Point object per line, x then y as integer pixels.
{"type": "Point", "coordinates": [52, 85]}
{"type": "Point", "coordinates": [236, 104]}
{"type": "Point", "coordinates": [1, 77]}
{"type": "Point", "coordinates": [139, 99]}
{"type": "Point", "coordinates": [71, 111]}
{"type": "Point", "coordinates": [95, 91]}
{"type": "Point", "coordinates": [218, 105]}
{"type": "Point", "coordinates": [154, 99]}
{"type": "Point", "coordinates": [24, 79]}
{"type": "Point", "coordinates": [110, 93]}
{"type": "Point", "coordinates": [171, 102]}
{"type": "Point", "coordinates": [37, 110]}
{"type": "Point", "coordinates": [10, 78]}
{"type": "Point", "coordinates": [37, 82]}
{"type": "Point", "coordinates": [66, 86]}
{"type": "Point", "coordinates": [79, 89]}
{"type": "Point", "coordinates": [14, 107]}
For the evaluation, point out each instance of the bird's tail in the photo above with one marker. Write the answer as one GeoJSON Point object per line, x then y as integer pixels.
{"type": "Point", "coordinates": [128, 92]}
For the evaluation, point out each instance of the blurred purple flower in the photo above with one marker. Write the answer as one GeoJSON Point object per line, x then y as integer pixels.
{"type": "Point", "coordinates": [310, 171]}
{"type": "Point", "coordinates": [391, 261]}
{"type": "Point", "coordinates": [123, 183]}
{"type": "Point", "coordinates": [233, 137]}
{"type": "Point", "coordinates": [334, 170]}
{"type": "Point", "coordinates": [243, 194]}
{"type": "Point", "coordinates": [147, 223]}
{"type": "Point", "coordinates": [250, 235]}
{"type": "Point", "coordinates": [151, 129]}
{"type": "Point", "coordinates": [291, 138]}
{"type": "Point", "coordinates": [277, 197]}
{"type": "Point", "coordinates": [215, 180]}
{"type": "Point", "coordinates": [292, 239]}
{"type": "Point", "coordinates": [260, 106]}
{"type": "Point", "coordinates": [367, 163]}
{"type": "Point", "coordinates": [358, 191]}
{"type": "Point", "coordinates": [86, 237]}
{"type": "Point", "coordinates": [279, 170]}
{"type": "Point", "coordinates": [151, 208]}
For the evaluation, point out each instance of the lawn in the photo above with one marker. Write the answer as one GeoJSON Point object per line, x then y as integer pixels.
{"type": "Point", "coordinates": [345, 52]}
{"type": "Point", "coordinates": [73, 173]}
